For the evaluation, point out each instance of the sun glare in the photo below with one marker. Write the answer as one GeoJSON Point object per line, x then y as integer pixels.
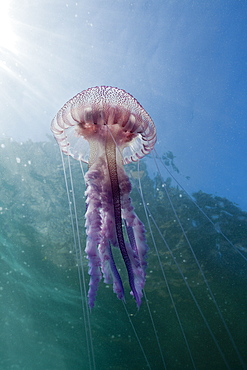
{"type": "Point", "coordinates": [7, 35]}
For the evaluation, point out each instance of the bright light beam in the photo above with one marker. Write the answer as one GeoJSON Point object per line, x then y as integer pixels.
{"type": "Point", "coordinates": [7, 35]}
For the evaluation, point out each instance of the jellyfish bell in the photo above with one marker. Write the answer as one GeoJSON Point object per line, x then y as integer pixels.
{"type": "Point", "coordinates": [106, 128]}
{"type": "Point", "coordinates": [84, 119]}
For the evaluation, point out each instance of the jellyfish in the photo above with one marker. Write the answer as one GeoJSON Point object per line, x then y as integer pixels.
{"type": "Point", "coordinates": [106, 127]}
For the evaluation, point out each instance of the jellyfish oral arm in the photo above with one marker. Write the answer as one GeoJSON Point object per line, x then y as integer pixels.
{"type": "Point", "coordinates": [129, 263]}
{"type": "Point", "coordinates": [108, 203]}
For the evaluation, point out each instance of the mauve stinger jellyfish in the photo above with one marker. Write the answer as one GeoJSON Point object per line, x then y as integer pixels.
{"type": "Point", "coordinates": [107, 128]}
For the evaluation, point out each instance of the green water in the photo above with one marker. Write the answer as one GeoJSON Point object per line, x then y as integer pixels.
{"type": "Point", "coordinates": [42, 324]}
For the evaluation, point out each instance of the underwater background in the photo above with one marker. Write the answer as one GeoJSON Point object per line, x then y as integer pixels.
{"type": "Point", "coordinates": [185, 62]}
{"type": "Point", "coordinates": [42, 325]}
